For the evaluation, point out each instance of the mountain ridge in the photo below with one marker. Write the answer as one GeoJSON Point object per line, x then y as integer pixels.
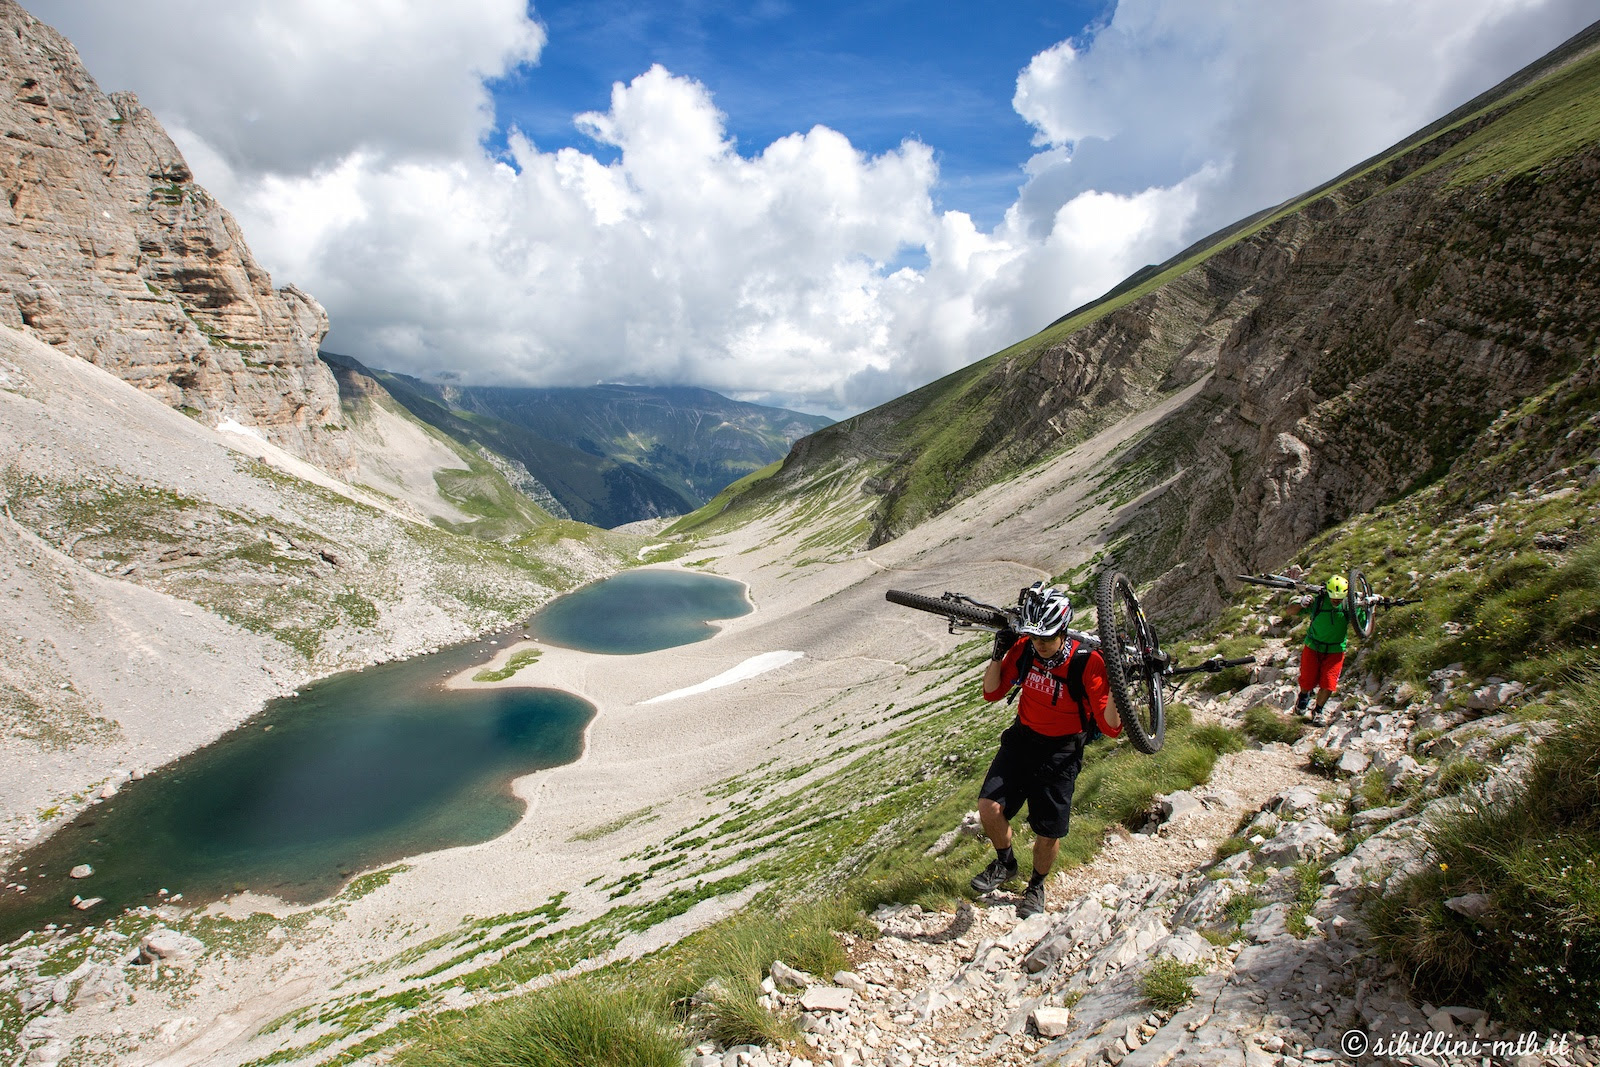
{"type": "Point", "coordinates": [948, 439]}
{"type": "Point", "coordinates": [609, 454]}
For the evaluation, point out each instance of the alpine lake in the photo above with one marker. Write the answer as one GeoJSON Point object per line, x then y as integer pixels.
{"type": "Point", "coordinates": [355, 771]}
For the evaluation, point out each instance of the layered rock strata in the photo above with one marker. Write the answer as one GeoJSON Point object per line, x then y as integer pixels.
{"type": "Point", "coordinates": [116, 256]}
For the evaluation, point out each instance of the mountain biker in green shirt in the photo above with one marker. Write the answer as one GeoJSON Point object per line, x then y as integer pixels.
{"type": "Point", "coordinates": [1322, 658]}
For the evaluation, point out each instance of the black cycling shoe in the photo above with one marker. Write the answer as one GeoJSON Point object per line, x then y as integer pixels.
{"type": "Point", "coordinates": [1032, 902]}
{"type": "Point", "coordinates": [995, 875]}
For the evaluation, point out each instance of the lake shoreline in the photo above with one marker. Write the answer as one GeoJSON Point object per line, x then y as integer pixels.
{"type": "Point", "coordinates": [66, 846]}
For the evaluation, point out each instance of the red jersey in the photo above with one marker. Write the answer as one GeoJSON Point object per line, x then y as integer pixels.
{"type": "Point", "coordinates": [1045, 706]}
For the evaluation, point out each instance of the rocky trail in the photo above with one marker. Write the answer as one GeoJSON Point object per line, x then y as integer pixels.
{"type": "Point", "coordinates": [1269, 939]}
{"type": "Point", "coordinates": [1229, 932]}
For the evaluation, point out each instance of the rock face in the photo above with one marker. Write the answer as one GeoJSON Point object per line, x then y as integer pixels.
{"type": "Point", "coordinates": [1342, 351]}
{"type": "Point", "coordinates": [116, 256]}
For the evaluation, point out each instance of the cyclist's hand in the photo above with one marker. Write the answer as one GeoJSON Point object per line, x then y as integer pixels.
{"type": "Point", "coordinates": [1002, 643]}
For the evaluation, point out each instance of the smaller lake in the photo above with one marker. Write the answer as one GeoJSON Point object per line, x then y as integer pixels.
{"type": "Point", "coordinates": [640, 611]}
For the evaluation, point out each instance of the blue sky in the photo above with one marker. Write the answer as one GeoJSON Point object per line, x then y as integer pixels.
{"type": "Point", "coordinates": [820, 206]}
{"type": "Point", "coordinates": [878, 72]}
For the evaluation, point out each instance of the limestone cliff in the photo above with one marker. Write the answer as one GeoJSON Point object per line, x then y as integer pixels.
{"type": "Point", "coordinates": [116, 256]}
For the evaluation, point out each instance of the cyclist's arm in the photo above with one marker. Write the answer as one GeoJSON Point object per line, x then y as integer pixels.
{"type": "Point", "coordinates": [999, 675]}
{"type": "Point", "coordinates": [993, 688]}
{"type": "Point", "coordinates": [1098, 690]}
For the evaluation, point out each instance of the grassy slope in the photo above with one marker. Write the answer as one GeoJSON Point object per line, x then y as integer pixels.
{"type": "Point", "coordinates": [919, 781]}
{"type": "Point", "coordinates": [936, 444]}
{"type": "Point", "coordinates": [499, 512]}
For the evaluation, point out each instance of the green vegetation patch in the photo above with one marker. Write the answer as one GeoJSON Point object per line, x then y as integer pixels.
{"type": "Point", "coordinates": [1167, 983]}
{"type": "Point", "coordinates": [526, 657]}
{"type": "Point", "coordinates": [371, 882]}
{"type": "Point", "coordinates": [1119, 784]}
{"type": "Point", "coordinates": [606, 829]}
{"type": "Point", "coordinates": [1267, 726]}
{"type": "Point", "coordinates": [1532, 957]}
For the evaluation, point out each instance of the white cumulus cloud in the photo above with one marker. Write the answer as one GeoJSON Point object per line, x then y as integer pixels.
{"type": "Point", "coordinates": [347, 135]}
{"type": "Point", "coordinates": [293, 86]}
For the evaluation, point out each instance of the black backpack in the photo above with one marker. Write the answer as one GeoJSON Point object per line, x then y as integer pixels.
{"type": "Point", "coordinates": [1073, 681]}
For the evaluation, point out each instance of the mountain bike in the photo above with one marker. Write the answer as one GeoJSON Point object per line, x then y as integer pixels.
{"type": "Point", "coordinates": [1360, 602]}
{"type": "Point", "coordinates": [1137, 669]}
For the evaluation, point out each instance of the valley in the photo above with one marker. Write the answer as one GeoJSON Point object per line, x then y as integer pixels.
{"type": "Point", "coordinates": [1398, 370]}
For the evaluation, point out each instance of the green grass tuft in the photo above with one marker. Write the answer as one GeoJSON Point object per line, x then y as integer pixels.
{"type": "Point", "coordinates": [1167, 983]}
{"type": "Point", "coordinates": [1268, 726]}
{"type": "Point", "coordinates": [1239, 909]}
{"type": "Point", "coordinates": [1307, 891]}
{"type": "Point", "coordinates": [1323, 761]}
{"type": "Point", "coordinates": [569, 1024]}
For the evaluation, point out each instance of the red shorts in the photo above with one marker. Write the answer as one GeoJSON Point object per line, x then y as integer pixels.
{"type": "Point", "coordinates": [1320, 670]}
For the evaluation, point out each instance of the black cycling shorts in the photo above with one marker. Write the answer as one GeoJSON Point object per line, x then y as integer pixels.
{"type": "Point", "coordinates": [1036, 770]}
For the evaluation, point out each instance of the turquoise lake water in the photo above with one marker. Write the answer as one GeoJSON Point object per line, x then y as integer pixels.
{"type": "Point", "coordinates": [359, 770]}
{"type": "Point", "coordinates": [640, 611]}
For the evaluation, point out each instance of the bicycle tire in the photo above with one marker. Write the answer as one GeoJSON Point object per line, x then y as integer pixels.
{"type": "Point", "coordinates": [1130, 648]}
{"type": "Point", "coordinates": [1270, 583]}
{"type": "Point", "coordinates": [1360, 592]}
{"type": "Point", "coordinates": [950, 609]}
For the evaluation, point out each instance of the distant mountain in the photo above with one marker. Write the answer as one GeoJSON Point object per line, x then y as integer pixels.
{"type": "Point", "coordinates": [1337, 351]}
{"type": "Point", "coordinates": [608, 454]}
{"type": "Point", "coordinates": [694, 440]}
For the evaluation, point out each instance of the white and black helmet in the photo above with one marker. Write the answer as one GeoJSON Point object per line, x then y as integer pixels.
{"type": "Point", "coordinates": [1045, 611]}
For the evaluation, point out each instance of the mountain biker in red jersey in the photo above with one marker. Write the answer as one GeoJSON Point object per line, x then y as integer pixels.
{"type": "Point", "coordinates": [1322, 658]}
{"type": "Point", "coordinates": [1063, 692]}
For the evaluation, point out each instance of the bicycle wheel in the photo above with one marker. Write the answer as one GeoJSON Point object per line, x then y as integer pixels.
{"type": "Point", "coordinates": [1132, 654]}
{"type": "Point", "coordinates": [950, 609]}
{"type": "Point", "coordinates": [1271, 581]}
{"type": "Point", "coordinates": [1359, 595]}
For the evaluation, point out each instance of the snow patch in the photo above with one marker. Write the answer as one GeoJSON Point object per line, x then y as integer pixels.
{"type": "Point", "coordinates": [230, 425]}
{"type": "Point", "coordinates": [767, 661]}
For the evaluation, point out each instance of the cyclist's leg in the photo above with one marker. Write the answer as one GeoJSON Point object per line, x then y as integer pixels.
{"type": "Point", "coordinates": [1308, 678]}
{"type": "Point", "coordinates": [1329, 669]}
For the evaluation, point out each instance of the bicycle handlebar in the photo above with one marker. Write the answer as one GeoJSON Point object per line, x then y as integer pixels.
{"type": "Point", "coordinates": [1284, 582]}
{"type": "Point", "coordinates": [1214, 665]}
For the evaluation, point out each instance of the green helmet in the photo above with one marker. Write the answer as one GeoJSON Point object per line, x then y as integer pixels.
{"type": "Point", "coordinates": [1337, 587]}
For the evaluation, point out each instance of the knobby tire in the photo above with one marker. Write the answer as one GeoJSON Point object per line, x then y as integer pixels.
{"type": "Point", "coordinates": [1128, 643]}
{"type": "Point", "coordinates": [1270, 583]}
{"type": "Point", "coordinates": [949, 608]}
{"type": "Point", "coordinates": [1360, 592]}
